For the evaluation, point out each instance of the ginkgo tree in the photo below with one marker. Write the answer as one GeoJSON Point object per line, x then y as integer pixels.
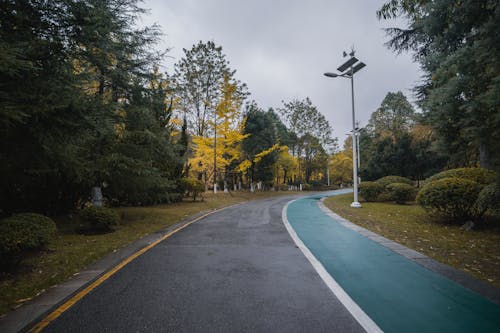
{"type": "Point", "coordinates": [214, 154]}
{"type": "Point", "coordinates": [340, 166]}
{"type": "Point", "coordinates": [286, 166]}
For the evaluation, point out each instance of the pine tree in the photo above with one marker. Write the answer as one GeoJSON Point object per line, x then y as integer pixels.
{"type": "Point", "coordinates": [75, 107]}
{"type": "Point", "coordinates": [457, 45]}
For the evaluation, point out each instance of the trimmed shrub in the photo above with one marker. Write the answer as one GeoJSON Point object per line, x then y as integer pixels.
{"type": "Point", "coordinates": [400, 192]}
{"type": "Point", "coordinates": [283, 187]}
{"type": "Point", "coordinates": [478, 175]}
{"type": "Point", "coordinates": [21, 233]}
{"type": "Point", "coordinates": [316, 183]}
{"type": "Point", "coordinates": [489, 199]}
{"type": "Point", "coordinates": [451, 199]}
{"type": "Point", "coordinates": [384, 181]}
{"type": "Point", "coordinates": [100, 218]}
{"type": "Point", "coordinates": [370, 191]}
{"type": "Point", "coordinates": [192, 186]}
{"type": "Point", "coordinates": [306, 187]}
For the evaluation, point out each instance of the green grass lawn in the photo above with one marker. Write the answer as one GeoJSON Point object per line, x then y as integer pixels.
{"type": "Point", "coordinates": [476, 252]}
{"type": "Point", "coordinates": [70, 251]}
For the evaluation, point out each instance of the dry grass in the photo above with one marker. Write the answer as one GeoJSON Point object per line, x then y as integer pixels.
{"type": "Point", "coordinates": [476, 252]}
{"type": "Point", "coordinates": [70, 251]}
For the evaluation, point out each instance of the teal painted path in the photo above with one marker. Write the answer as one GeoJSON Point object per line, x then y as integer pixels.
{"type": "Point", "coordinates": [395, 292]}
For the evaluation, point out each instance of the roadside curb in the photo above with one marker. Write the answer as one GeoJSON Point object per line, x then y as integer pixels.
{"type": "Point", "coordinates": [32, 312]}
{"type": "Point", "coordinates": [462, 278]}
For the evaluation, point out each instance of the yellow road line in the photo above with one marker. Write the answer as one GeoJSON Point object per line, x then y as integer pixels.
{"type": "Point", "coordinates": [73, 300]}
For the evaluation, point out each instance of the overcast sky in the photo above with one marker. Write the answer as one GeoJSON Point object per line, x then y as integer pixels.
{"type": "Point", "coordinates": [281, 48]}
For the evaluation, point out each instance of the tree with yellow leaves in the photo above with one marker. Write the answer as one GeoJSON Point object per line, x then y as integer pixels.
{"type": "Point", "coordinates": [218, 151]}
{"type": "Point", "coordinates": [340, 166]}
{"type": "Point", "coordinates": [286, 166]}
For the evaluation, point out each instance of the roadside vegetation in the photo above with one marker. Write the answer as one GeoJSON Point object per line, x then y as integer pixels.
{"type": "Point", "coordinates": [453, 217]}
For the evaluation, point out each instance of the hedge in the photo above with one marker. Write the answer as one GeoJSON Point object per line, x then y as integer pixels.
{"type": "Point", "coordinates": [21, 233]}
{"type": "Point", "coordinates": [451, 199]}
{"type": "Point", "coordinates": [100, 218]}
{"type": "Point", "coordinates": [192, 186]}
{"type": "Point", "coordinates": [384, 181]}
{"type": "Point", "coordinates": [478, 175]}
{"type": "Point", "coordinates": [370, 191]}
{"type": "Point", "coordinates": [400, 192]}
{"type": "Point", "coordinates": [489, 199]}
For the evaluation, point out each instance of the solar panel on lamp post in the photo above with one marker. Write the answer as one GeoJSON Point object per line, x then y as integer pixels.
{"type": "Point", "coordinates": [347, 70]}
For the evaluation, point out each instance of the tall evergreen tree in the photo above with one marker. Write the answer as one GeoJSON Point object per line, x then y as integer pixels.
{"type": "Point", "coordinates": [263, 134]}
{"type": "Point", "coordinates": [41, 109]}
{"type": "Point", "coordinates": [458, 46]}
{"type": "Point", "coordinates": [74, 100]}
{"type": "Point", "coordinates": [395, 142]}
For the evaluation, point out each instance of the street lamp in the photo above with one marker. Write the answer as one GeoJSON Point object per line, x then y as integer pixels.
{"type": "Point", "coordinates": [347, 71]}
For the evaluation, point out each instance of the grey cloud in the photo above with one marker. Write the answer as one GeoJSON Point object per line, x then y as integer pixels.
{"type": "Point", "coordinates": [282, 48]}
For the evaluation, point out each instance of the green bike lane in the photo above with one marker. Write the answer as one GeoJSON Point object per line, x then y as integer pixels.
{"type": "Point", "coordinates": [398, 294]}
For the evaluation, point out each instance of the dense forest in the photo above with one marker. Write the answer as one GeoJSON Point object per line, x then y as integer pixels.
{"type": "Point", "coordinates": [85, 108]}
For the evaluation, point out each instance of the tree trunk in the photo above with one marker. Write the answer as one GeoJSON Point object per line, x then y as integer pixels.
{"type": "Point", "coordinates": [206, 180]}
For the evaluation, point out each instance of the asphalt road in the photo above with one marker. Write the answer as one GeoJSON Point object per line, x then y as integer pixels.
{"type": "Point", "coordinates": [235, 271]}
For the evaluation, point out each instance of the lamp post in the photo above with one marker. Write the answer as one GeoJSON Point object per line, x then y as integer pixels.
{"type": "Point", "coordinates": [357, 133]}
{"type": "Point", "coordinates": [347, 71]}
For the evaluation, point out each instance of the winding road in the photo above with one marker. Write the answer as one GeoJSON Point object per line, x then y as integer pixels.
{"type": "Point", "coordinates": [237, 270]}
{"type": "Point", "coordinates": [278, 265]}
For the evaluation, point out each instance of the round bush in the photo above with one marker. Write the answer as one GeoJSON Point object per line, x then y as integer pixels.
{"type": "Point", "coordinates": [100, 218]}
{"type": "Point", "coordinates": [283, 187]}
{"type": "Point", "coordinates": [400, 192]}
{"type": "Point", "coordinates": [316, 183]}
{"type": "Point", "coordinates": [489, 199]}
{"type": "Point", "coordinates": [192, 186]}
{"type": "Point", "coordinates": [24, 232]}
{"type": "Point", "coordinates": [478, 175]}
{"type": "Point", "coordinates": [451, 199]}
{"type": "Point", "coordinates": [384, 181]}
{"type": "Point", "coordinates": [370, 191]}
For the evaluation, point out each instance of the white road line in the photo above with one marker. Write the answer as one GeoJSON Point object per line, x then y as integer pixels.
{"type": "Point", "coordinates": [361, 317]}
